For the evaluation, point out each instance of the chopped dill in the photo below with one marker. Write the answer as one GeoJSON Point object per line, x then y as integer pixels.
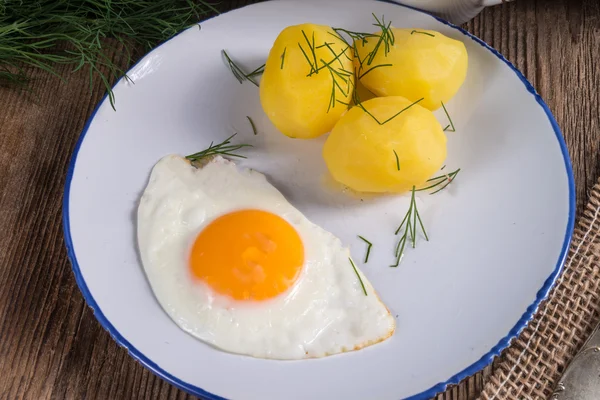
{"type": "Point", "coordinates": [336, 57]}
{"type": "Point", "coordinates": [372, 68]}
{"type": "Point", "coordinates": [359, 104]}
{"type": "Point", "coordinates": [283, 57]}
{"type": "Point", "coordinates": [336, 74]}
{"type": "Point", "coordinates": [324, 44]}
{"type": "Point", "coordinates": [409, 223]}
{"type": "Point", "coordinates": [440, 182]}
{"type": "Point", "coordinates": [252, 124]}
{"type": "Point", "coordinates": [239, 73]}
{"type": "Point", "coordinates": [339, 76]}
{"type": "Point", "coordinates": [386, 37]}
{"type": "Point", "coordinates": [422, 33]}
{"type": "Point", "coordinates": [449, 119]}
{"type": "Point", "coordinates": [341, 79]}
{"type": "Point", "coordinates": [358, 275]}
{"type": "Point", "coordinates": [313, 52]}
{"type": "Point", "coordinates": [225, 148]}
{"type": "Point", "coordinates": [397, 160]}
{"type": "Point", "coordinates": [369, 245]}
{"type": "Point", "coordinates": [353, 35]}
{"type": "Point", "coordinates": [257, 71]}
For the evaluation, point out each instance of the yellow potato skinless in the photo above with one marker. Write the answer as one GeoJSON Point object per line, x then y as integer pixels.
{"type": "Point", "coordinates": [424, 64]}
{"type": "Point", "coordinates": [361, 153]}
{"type": "Point", "coordinates": [308, 75]}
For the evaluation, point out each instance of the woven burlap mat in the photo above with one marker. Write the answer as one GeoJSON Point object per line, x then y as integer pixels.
{"type": "Point", "coordinates": [531, 366]}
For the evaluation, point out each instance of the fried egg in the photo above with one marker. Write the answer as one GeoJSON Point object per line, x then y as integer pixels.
{"type": "Point", "coordinates": [234, 264]}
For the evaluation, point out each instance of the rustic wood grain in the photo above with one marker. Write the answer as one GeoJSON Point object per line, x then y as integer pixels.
{"type": "Point", "coordinates": [51, 346]}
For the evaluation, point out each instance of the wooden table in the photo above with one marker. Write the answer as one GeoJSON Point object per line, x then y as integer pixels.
{"type": "Point", "coordinates": [51, 346]}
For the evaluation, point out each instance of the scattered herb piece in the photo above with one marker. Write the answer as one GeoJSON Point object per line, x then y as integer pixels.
{"type": "Point", "coordinates": [225, 148]}
{"type": "Point", "coordinates": [359, 104]}
{"type": "Point", "coordinates": [336, 74]}
{"type": "Point", "coordinates": [339, 76]}
{"type": "Point", "coordinates": [257, 71]}
{"type": "Point", "coordinates": [283, 57]}
{"type": "Point", "coordinates": [441, 169]}
{"type": "Point", "coordinates": [239, 73]}
{"type": "Point", "coordinates": [358, 275]}
{"type": "Point", "coordinates": [372, 68]}
{"type": "Point", "coordinates": [326, 44]}
{"type": "Point", "coordinates": [422, 33]}
{"type": "Point", "coordinates": [311, 46]}
{"type": "Point", "coordinates": [312, 67]}
{"type": "Point", "coordinates": [397, 160]}
{"type": "Point", "coordinates": [360, 61]}
{"type": "Point", "coordinates": [337, 56]}
{"type": "Point", "coordinates": [449, 119]}
{"type": "Point", "coordinates": [441, 180]}
{"type": "Point", "coordinates": [328, 64]}
{"type": "Point", "coordinates": [409, 223]}
{"type": "Point", "coordinates": [386, 37]}
{"type": "Point", "coordinates": [252, 124]}
{"type": "Point", "coordinates": [353, 35]}
{"type": "Point", "coordinates": [369, 245]}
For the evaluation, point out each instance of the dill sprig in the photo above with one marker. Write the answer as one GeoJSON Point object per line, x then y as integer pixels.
{"type": "Point", "coordinates": [358, 275]}
{"type": "Point", "coordinates": [339, 76]}
{"type": "Point", "coordinates": [45, 34]}
{"type": "Point", "coordinates": [422, 33]}
{"type": "Point", "coordinates": [362, 36]}
{"type": "Point", "coordinates": [257, 71]}
{"type": "Point", "coordinates": [312, 60]}
{"type": "Point", "coordinates": [440, 182]}
{"type": "Point", "coordinates": [409, 223]}
{"type": "Point", "coordinates": [449, 119]}
{"type": "Point", "coordinates": [225, 148]}
{"type": "Point", "coordinates": [369, 245]}
{"type": "Point", "coordinates": [336, 57]}
{"type": "Point", "coordinates": [386, 37]}
{"type": "Point", "coordinates": [341, 79]}
{"type": "Point", "coordinates": [239, 73]}
{"type": "Point", "coordinates": [336, 73]}
{"type": "Point", "coordinates": [397, 160]}
{"type": "Point", "coordinates": [252, 125]}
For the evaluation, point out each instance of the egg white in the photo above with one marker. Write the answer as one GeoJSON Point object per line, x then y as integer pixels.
{"type": "Point", "coordinates": [326, 311]}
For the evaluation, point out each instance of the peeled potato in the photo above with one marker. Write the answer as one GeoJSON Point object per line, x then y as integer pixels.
{"type": "Point", "coordinates": [359, 152]}
{"type": "Point", "coordinates": [424, 64]}
{"type": "Point", "coordinates": [302, 93]}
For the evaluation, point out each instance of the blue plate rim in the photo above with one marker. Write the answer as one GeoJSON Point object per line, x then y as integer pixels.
{"type": "Point", "coordinates": [484, 361]}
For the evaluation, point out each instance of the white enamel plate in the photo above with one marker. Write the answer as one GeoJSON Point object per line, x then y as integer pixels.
{"type": "Point", "coordinates": [498, 233]}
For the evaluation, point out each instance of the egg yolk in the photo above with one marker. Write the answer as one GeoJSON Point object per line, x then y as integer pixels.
{"type": "Point", "coordinates": [248, 255]}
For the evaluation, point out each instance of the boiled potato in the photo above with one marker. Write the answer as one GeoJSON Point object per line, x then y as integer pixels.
{"type": "Point", "coordinates": [361, 153]}
{"type": "Point", "coordinates": [308, 76]}
{"type": "Point", "coordinates": [424, 64]}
